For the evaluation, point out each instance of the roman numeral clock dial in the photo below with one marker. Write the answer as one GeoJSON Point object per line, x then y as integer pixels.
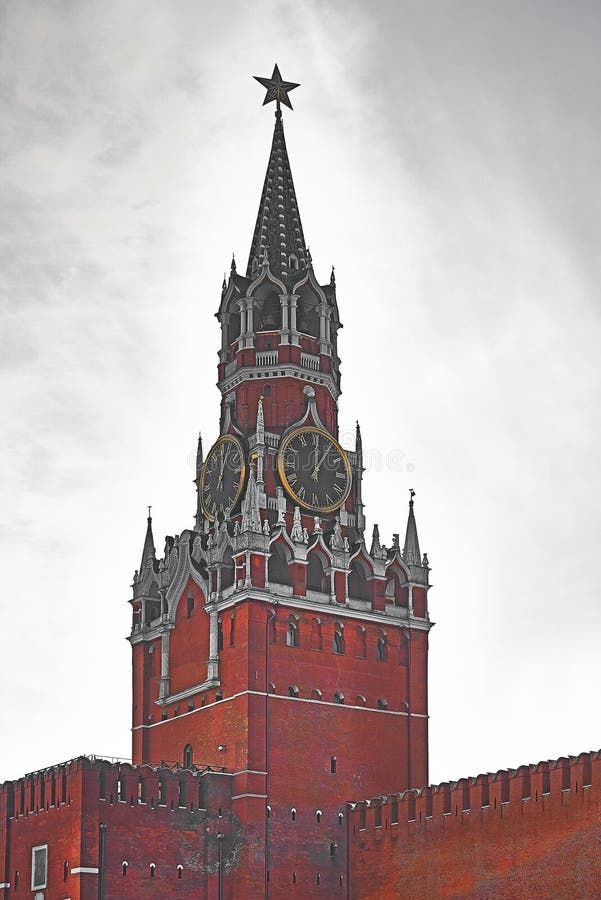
{"type": "Point", "coordinates": [222, 477]}
{"type": "Point", "coordinates": [314, 469]}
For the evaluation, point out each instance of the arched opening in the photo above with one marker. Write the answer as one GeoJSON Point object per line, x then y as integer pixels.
{"type": "Point", "coordinates": [187, 756]}
{"type": "Point", "coordinates": [292, 636]}
{"type": "Point", "coordinates": [269, 313]}
{"type": "Point", "coordinates": [338, 639]}
{"type": "Point", "coordinates": [381, 649]}
{"type": "Point", "coordinates": [382, 703]}
{"type": "Point", "coordinates": [338, 697]}
{"type": "Point", "coordinates": [316, 575]}
{"type": "Point", "coordinates": [227, 571]}
{"type": "Point", "coordinates": [277, 566]}
{"type": "Point", "coordinates": [358, 587]}
{"type": "Point", "coordinates": [396, 593]}
{"type": "Point", "coordinates": [307, 314]}
{"type": "Point", "coordinates": [293, 691]}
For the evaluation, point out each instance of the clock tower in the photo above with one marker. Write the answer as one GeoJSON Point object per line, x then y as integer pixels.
{"type": "Point", "coordinates": [270, 641]}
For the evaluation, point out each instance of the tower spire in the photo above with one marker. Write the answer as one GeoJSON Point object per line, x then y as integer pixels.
{"type": "Point", "coordinates": [148, 552]}
{"type": "Point", "coordinates": [278, 233]}
{"type": "Point", "coordinates": [199, 462]}
{"type": "Point", "coordinates": [411, 553]}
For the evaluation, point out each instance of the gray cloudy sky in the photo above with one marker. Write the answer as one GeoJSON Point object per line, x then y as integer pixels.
{"type": "Point", "coordinates": [446, 160]}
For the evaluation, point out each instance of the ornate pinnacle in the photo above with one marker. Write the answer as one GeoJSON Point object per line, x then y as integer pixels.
{"type": "Point", "coordinates": [277, 89]}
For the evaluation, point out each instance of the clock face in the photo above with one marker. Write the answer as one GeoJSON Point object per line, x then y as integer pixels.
{"type": "Point", "coordinates": [222, 476]}
{"type": "Point", "coordinates": [314, 469]}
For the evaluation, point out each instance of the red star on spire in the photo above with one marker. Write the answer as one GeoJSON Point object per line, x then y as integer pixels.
{"type": "Point", "coordinates": [277, 89]}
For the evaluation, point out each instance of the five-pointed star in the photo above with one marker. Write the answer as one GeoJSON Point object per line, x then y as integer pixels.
{"type": "Point", "coordinates": [276, 88]}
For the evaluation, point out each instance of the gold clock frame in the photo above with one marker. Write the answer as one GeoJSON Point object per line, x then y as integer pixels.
{"type": "Point", "coordinates": [224, 439]}
{"type": "Point", "coordinates": [324, 510]}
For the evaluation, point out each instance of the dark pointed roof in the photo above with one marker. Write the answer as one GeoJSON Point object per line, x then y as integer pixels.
{"type": "Point", "coordinates": [148, 552]}
{"type": "Point", "coordinates": [411, 553]}
{"type": "Point", "coordinates": [278, 231]}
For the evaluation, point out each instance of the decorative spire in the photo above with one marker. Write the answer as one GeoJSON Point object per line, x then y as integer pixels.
{"type": "Point", "coordinates": [233, 265]}
{"type": "Point", "coordinates": [278, 231]}
{"type": "Point", "coordinates": [333, 277]}
{"type": "Point", "coordinates": [251, 517]}
{"type": "Point", "coordinates": [148, 553]}
{"type": "Point", "coordinates": [199, 462]}
{"type": "Point", "coordinates": [411, 553]}
{"type": "Point", "coordinates": [260, 422]}
{"type": "Point", "coordinates": [358, 440]}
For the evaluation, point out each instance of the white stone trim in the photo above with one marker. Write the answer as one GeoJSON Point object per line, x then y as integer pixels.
{"type": "Point", "coordinates": [379, 712]}
{"type": "Point", "coordinates": [84, 870]}
{"type": "Point", "coordinates": [241, 796]}
{"type": "Point", "coordinates": [5, 884]}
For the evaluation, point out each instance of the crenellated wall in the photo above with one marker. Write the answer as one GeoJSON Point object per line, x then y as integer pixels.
{"type": "Point", "coordinates": [145, 832]}
{"type": "Point", "coordinates": [517, 833]}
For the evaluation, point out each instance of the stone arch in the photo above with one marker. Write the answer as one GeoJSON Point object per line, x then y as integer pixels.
{"type": "Point", "coordinates": [358, 586]}
{"type": "Point", "coordinates": [278, 571]}
{"type": "Point", "coordinates": [307, 311]}
{"type": "Point", "coordinates": [317, 579]}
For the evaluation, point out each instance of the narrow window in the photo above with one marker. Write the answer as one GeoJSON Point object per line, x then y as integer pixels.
{"type": "Point", "coordinates": [102, 785]}
{"type": "Point", "coordinates": [340, 818]}
{"type": "Point", "coordinates": [318, 816]}
{"type": "Point", "coordinates": [63, 786]}
{"type": "Point", "coordinates": [338, 697]}
{"type": "Point", "coordinates": [180, 870]}
{"type": "Point", "coordinates": [124, 866]}
{"type": "Point", "coordinates": [65, 870]}
{"type": "Point", "coordinates": [338, 641]}
{"type": "Point", "coordinates": [411, 808]}
{"type": "Point", "coordinates": [162, 790]}
{"type": "Point", "coordinates": [190, 603]}
{"type": "Point", "coordinates": [39, 867]}
{"type": "Point", "coordinates": [333, 765]}
{"type": "Point", "coordinates": [294, 878]}
{"type": "Point", "coordinates": [394, 810]}
{"type": "Point", "coordinates": [53, 788]}
{"type": "Point", "coordinates": [504, 788]}
{"type": "Point", "coordinates": [292, 634]}
{"type": "Point", "coordinates": [152, 868]}
{"type": "Point", "coordinates": [293, 814]}
{"type": "Point", "coordinates": [182, 798]}
{"type": "Point", "coordinates": [220, 635]}
{"type": "Point", "coordinates": [120, 789]}
{"type": "Point", "coordinates": [526, 788]}
{"type": "Point", "coordinates": [22, 798]}
{"type": "Point", "coordinates": [16, 879]}
{"type": "Point", "coordinates": [362, 817]}
{"type": "Point", "coordinates": [333, 848]}
{"type": "Point", "coordinates": [187, 756]}
{"type": "Point", "coordinates": [31, 794]}
{"type": "Point", "coordinates": [318, 879]}
{"type": "Point", "coordinates": [190, 705]}
{"type": "Point", "coordinates": [381, 650]}
{"type": "Point", "coordinates": [546, 780]}
{"type": "Point", "coordinates": [382, 704]}
{"type": "Point", "coordinates": [141, 789]}
{"type": "Point", "coordinates": [232, 631]}
{"type": "Point", "coordinates": [565, 776]}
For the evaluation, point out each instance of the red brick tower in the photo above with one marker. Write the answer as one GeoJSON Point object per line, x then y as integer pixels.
{"type": "Point", "coordinates": [268, 639]}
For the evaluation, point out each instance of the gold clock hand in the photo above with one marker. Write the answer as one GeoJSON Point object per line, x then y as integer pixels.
{"type": "Point", "coordinates": [319, 464]}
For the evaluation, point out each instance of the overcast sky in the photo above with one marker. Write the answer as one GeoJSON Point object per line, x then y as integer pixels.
{"type": "Point", "coordinates": [446, 160]}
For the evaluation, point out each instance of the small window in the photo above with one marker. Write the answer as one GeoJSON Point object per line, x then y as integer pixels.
{"type": "Point", "coordinates": [333, 762]}
{"type": "Point", "coordinates": [362, 817]}
{"type": "Point", "coordinates": [124, 866]}
{"type": "Point", "coordinates": [293, 814]}
{"type": "Point", "coordinates": [180, 870]}
{"type": "Point", "coordinates": [338, 697]}
{"type": "Point", "coordinates": [338, 642]}
{"type": "Point", "coordinates": [382, 703]}
{"type": "Point", "coordinates": [381, 649]}
{"type": "Point", "coordinates": [65, 870]}
{"type": "Point", "coordinates": [232, 631]}
{"type": "Point", "coordinates": [152, 868]}
{"type": "Point", "coordinates": [187, 756]}
{"type": "Point", "coordinates": [293, 691]}
{"type": "Point", "coordinates": [39, 867]}
{"type": "Point", "coordinates": [394, 810]}
{"type": "Point", "coordinates": [318, 816]}
{"type": "Point", "coordinates": [292, 634]}
{"type": "Point", "coordinates": [267, 390]}
{"type": "Point", "coordinates": [333, 848]}
{"type": "Point", "coordinates": [378, 814]}
{"type": "Point", "coordinates": [220, 635]}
